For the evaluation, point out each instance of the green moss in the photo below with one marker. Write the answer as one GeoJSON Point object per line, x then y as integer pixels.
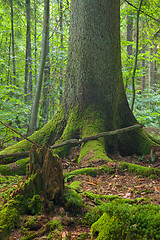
{"type": "Point", "coordinates": [20, 203]}
{"type": "Point", "coordinates": [91, 171]}
{"type": "Point", "coordinates": [73, 201]}
{"type": "Point", "coordinates": [128, 222]}
{"type": "Point", "coordinates": [92, 123]}
{"type": "Point", "coordinates": [140, 170]}
{"type": "Point", "coordinates": [32, 222]}
{"type": "Point", "coordinates": [71, 131]}
{"type": "Point", "coordinates": [53, 224]}
{"type": "Point", "coordinates": [99, 198]}
{"type": "Point", "coordinates": [55, 228]}
{"type": "Point", "coordinates": [9, 219]}
{"type": "Point", "coordinates": [35, 205]}
{"type": "Point", "coordinates": [75, 185]}
{"type": "Point", "coordinates": [16, 168]}
{"type": "Point", "coordinates": [107, 228]}
{"type": "Point", "coordinates": [93, 150]}
{"type": "Point", "coordinates": [145, 142]}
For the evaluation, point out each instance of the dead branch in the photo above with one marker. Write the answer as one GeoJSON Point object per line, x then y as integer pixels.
{"type": "Point", "coordinates": [12, 129]}
{"type": "Point", "coordinates": [103, 134]}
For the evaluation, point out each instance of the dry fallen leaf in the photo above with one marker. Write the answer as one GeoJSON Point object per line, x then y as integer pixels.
{"type": "Point", "coordinates": [64, 235]}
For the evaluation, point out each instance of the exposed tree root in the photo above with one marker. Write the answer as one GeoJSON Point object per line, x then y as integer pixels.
{"type": "Point", "coordinates": [82, 124]}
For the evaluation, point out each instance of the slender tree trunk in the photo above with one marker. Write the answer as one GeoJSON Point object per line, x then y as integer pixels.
{"type": "Point", "coordinates": [35, 41]}
{"type": "Point", "coordinates": [151, 70]}
{"type": "Point", "coordinates": [61, 30]}
{"type": "Point", "coordinates": [28, 65]}
{"type": "Point", "coordinates": [136, 57]}
{"type": "Point", "coordinates": [45, 104]}
{"type": "Point", "coordinates": [9, 59]}
{"type": "Point", "coordinates": [13, 45]}
{"type": "Point", "coordinates": [35, 106]}
{"type": "Point", "coordinates": [129, 39]}
{"type": "Point", "coordinates": [143, 78]}
{"type": "Point", "coordinates": [155, 65]}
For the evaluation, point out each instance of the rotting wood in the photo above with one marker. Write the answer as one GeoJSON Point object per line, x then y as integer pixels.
{"type": "Point", "coordinates": [79, 141]}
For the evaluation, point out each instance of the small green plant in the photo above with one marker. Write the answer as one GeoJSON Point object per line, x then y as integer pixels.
{"type": "Point", "coordinates": [83, 236]}
{"type": "Point", "coordinates": [147, 106]}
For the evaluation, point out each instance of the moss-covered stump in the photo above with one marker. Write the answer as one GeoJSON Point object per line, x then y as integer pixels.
{"type": "Point", "coordinates": [46, 172]}
{"type": "Point", "coordinates": [45, 178]}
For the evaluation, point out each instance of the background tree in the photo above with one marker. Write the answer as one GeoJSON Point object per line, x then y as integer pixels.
{"type": "Point", "coordinates": [35, 106]}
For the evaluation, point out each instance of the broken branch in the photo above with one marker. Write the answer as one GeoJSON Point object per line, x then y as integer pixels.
{"type": "Point", "coordinates": [103, 134]}
{"type": "Point", "coordinates": [13, 130]}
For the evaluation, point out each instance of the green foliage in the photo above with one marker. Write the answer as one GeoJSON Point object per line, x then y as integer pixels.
{"type": "Point", "coordinates": [147, 107]}
{"type": "Point", "coordinates": [12, 112]}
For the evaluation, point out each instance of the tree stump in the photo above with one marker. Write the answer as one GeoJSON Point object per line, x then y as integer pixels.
{"type": "Point", "coordinates": [49, 171]}
{"type": "Point", "coordinates": [45, 175]}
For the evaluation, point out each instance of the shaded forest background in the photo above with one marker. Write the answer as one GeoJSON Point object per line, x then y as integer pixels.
{"type": "Point", "coordinates": [20, 42]}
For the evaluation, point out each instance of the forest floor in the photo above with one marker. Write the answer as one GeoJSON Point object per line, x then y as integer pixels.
{"type": "Point", "coordinates": [121, 183]}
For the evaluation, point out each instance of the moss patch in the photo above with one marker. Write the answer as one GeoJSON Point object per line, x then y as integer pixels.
{"type": "Point", "coordinates": [99, 198]}
{"type": "Point", "coordinates": [75, 185]}
{"type": "Point", "coordinates": [106, 228]}
{"type": "Point", "coordinates": [91, 171]}
{"type": "Point", "coordinates": [9, 219]}
{"type": "Point", "coordinates": [73, 201]}
{"type": "Point", "coordinates": [140, 170]}
{"type": "Point", "coordinates": [16, 168]}
{"type": "Point", "coordinates": [125, 221]}
{"type": "Point", "coordinates": [92, 123]}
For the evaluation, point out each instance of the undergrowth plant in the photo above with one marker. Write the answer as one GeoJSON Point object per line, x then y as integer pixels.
{"type": "Point", "coordinates": [147, 106]}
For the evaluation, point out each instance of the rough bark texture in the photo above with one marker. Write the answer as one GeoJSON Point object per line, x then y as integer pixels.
{"type": "Point", "coordinates": [48, 166]}
{"type": "Point", "coordinates": [45, 175]}
{"type": "Point", "coordinates": [94, 79]}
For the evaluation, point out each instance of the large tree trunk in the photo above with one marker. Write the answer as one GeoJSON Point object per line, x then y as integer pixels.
{"type": "Point", "coordinates": [94, 99]}
{"type": "Point", "coordinates": [94, 79]}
